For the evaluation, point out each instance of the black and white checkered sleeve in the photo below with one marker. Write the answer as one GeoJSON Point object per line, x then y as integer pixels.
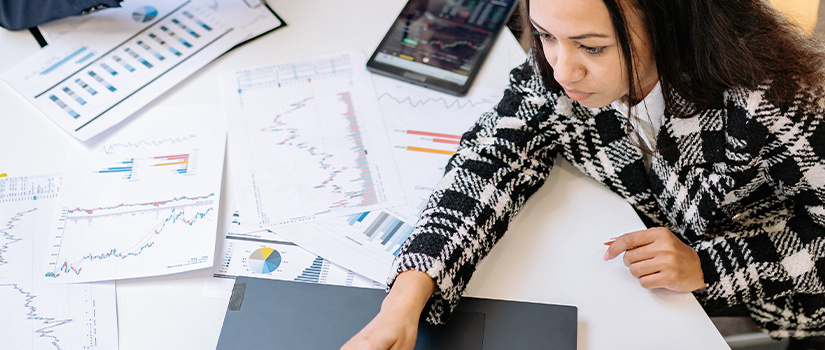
{"type": "Point", "coordinates": [502, 160]}
{"type": "Point", "coordinates": [773, 260]}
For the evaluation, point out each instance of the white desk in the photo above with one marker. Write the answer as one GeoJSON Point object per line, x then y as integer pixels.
{"type": "Point", "coordinates": [548, 256]}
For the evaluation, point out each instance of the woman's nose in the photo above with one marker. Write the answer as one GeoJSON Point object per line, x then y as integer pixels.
{"type": "Point", "coordinates": [567, 69]}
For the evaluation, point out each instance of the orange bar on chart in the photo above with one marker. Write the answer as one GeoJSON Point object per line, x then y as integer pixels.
{"type": "Point", "coordinates": [429, 150]}
{"type": "Point", "coordinates": [175, 163]}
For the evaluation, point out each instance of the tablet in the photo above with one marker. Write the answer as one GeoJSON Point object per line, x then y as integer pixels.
{"type": "Point", "coordinates": [440, 44]}
{"type": "Point", "coordinates": [273, 314]}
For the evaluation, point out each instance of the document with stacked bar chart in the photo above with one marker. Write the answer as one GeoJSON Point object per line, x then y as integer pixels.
{"type": "Point", "coordinates": [309, 141]}
{"type": "Point", "coordinates": [425, 128]}
{"type": "Point", "coordinates": [37, 315]}
{"type": "Point", "coordinates": [142, 202]}
{"type": "Point", "coordinates": [109, 66]}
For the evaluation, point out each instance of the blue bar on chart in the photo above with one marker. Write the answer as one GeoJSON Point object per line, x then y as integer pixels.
{"type": "Point", "coordinates": [101, 81]}
{"type": "Point", "coordinates": [85, 58]}
{"type": "Point", "coordinates": [164, 44]}
{"type": "Point", "coordinates": [184, 42]}
{"type": "Point", "coordinates": [108, 69]}
{"type": "Point", "coordinates": [313, 272]}
{"type": "Point", "coordinates": [85, 86]}
{"type": "Point", "coordinates": [148, 48]}
{"type": "Point", "coordinates": [63, 106]}
{"type": "Point", "coordinates": [73, 95]}
{"type": "Point", "coordinates": [185, 28]}
{"type": "Point", "coordinates": [359, 217]}
{"type": "Point", "coordinates": [390, 230]}
{"type": "Point", "coordinates": [173, 35]}
{"type": "Point", "coordinates": [123, 63]}
{"type": "Point", "coordinates": [199, 22]}
{"type": "Point", "coordinates": [125, 166]}
{"type": "Point", "coordinates": [64, 60]}
{"type": "Point", "coordinates": [138, 58]}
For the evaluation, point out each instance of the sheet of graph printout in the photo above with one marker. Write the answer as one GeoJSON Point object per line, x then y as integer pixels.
{"type": "Point", "coordinates": [143, 201]}
{"type": "Point", "coordinates": [424, 128]}
{"type": "Point", "coordinates": [99, 69]}
{"type": "Point", "coordinates": [307, 141]}
{"type": "Point", "coordinates": [37, 315]}
{"type": "Point", "coordinates": [264, 254]}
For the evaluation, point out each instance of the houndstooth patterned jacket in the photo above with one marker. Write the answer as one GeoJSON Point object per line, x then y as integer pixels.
{"type": "Point", "coordinates": [742, 182]}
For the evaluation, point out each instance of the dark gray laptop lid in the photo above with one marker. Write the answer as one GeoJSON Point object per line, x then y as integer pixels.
{"type": "Point", "coordinates": [276, 314]}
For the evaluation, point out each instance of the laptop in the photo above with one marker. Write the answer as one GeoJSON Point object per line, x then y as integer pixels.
{"type": "Point", "coordinates": [273, 314]}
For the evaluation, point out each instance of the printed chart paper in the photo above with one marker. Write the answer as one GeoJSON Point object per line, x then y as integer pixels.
{"type": "Point", "coordinates": [309, 141]}
{"type": "Point", "coordinates": [143, 202]}
{"type": "Point", "coordinates": [264, 254]}
{"type": "Point", "coordinates": [425, 127]}
{"type": "Point", "coordinates": [105, 68]}
{"type": "Point", "coordinates": [38, 315]}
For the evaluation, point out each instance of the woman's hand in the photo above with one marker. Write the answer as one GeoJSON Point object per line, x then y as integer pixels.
{"type": "Point", "coordinates": [659, 260]}
{"type": "Point", "coordinates": [396, 325]}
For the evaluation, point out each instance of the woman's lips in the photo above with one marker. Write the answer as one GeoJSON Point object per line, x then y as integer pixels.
{"type": "Point", "coordinates": [578, 95]}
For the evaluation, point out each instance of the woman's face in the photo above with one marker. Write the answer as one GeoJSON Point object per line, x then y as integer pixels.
{"type": "Point", "coordinates": [581, 46]}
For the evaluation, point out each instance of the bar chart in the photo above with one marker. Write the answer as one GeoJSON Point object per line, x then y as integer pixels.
{"type": "Point", "coordinates": [87, 82]}
{"type": "Point", "coordinates": [135, 169]}
{"type": "Point", "coordinates": [381, 228]}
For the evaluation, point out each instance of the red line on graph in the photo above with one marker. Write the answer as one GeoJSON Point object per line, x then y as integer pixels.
{"type": "Point", "coordinates": [178, 156]}
{"type": "Point", "coordinates": [452, 142]}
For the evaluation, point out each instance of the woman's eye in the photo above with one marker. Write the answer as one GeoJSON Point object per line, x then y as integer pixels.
{"type": "Point", "coordinates": [593, 50]}
{"type": "Point", "coordinates": [544, 36]}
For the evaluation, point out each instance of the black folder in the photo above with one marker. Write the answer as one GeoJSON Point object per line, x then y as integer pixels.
{"type": "Point", "coordinates": [272, 314]}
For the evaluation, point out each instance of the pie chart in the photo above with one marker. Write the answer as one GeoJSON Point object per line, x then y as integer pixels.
{"type": "Point", "coordinates": [145, 14]}
{"type": "Point", "coordinates": [264, 260]}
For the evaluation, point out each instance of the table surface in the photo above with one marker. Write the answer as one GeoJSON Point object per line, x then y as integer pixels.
{"type": "Point", "coordinates": [551, 254]}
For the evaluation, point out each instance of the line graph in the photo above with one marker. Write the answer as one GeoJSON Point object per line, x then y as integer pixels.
{"type": "Point", "coordinates": [10, 238]}
{"type": "Point", "coordinates": [119, 237]}
{"type": "Point", "coordinates": [306, 129]}
{"type": "Point", "coordinates": [110, 148]}
{"type": "Point", "coordinates": [37, 315]}
{"type": "Point", "coordinates": [136, 206]}
{"type": "Point", "coordinates": [49, 324]}
{"type": "Point", "coordinates": [449, 103]}
{"type": "Point", "coordinates": [45, 326]}
{"type": "Point", "coordinates": [451, 45]}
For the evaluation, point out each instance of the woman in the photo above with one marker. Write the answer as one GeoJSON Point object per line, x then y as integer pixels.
{"type": "Point", "coordinates": [720, 154]}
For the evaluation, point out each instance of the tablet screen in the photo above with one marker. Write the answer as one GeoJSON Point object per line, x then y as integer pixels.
{"type": "Point", "coordinates": [443, 39]}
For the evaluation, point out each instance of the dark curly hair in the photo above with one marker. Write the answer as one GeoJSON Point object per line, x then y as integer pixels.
{"type": "Point", "coordinates": [704, 47]}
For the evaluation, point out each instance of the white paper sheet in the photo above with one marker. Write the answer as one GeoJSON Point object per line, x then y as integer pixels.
{"type": "Point", "coordinates": [424, 127]}
{"type": "Point", "coordinates": [144, 201]}
{"type": "Point", "coordinates": [264, 254]}
{"type": "Point", "coordinates": [308, 141]}
{"type": "Point", "coordinates": [37, 315]}
{"type": "Point", "coordinates": [102, 69]}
